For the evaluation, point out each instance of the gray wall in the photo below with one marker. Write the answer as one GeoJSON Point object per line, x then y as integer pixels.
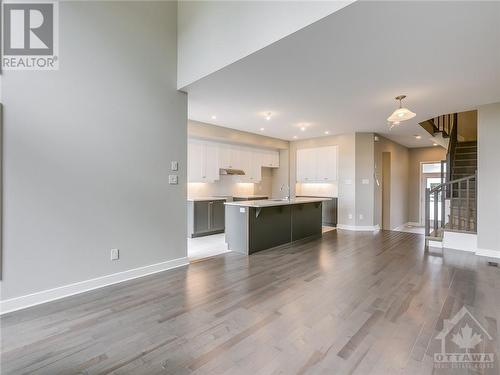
{"type": "Point", "coordinates": [346, 171]}
{"type": "Point", "coordinates": [488, 226]}
{"type": "Point", "coordinates": [88, 150]}
{"type": "Point", "coordinates": [364, 173]}
{"type": "Point", "coordinates": [214, 34]}
{"type": "Point", "coordinates": [417, 156]}
{"type": "Point", "coordinates": [399, 182]}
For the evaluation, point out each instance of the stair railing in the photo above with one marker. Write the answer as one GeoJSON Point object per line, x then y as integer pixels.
{"type": "Point", "coordinates": [444, 178]}
{"type": "Point", "coordinates": [466, 222]}
{"type": "Point", "coordinates": [452, 147]}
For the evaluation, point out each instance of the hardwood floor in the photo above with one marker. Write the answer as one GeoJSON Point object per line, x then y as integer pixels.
{"type": "Point", "coordinates": [349, 303]}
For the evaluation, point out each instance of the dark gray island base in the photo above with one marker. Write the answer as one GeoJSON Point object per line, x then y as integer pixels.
{"type": "Point", "coordinates": [255, 226]}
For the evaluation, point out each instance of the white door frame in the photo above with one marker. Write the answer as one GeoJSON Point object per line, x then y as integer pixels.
{"type": "Point", "coordinates": [421, 196]}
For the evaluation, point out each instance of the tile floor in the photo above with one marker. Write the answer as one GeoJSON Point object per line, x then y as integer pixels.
{"type": "Point", "coordinates": [205, 247]}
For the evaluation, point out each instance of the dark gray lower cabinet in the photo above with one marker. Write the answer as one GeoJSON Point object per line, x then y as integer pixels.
{"type": "Point", "coordinates": [217, 216]}
{"type": "Point", "coordinates": [205, 218]}
{"type": "Point", "coordinates": [329, 210]}
{"type": "Point", "coordinates": [306, 220]}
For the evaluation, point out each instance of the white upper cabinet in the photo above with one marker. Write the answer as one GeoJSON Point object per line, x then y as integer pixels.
{"type": "Point", "coordinates": [270, 159]}
{"type": "Point", "coordinates": [206, 158]}
{"type": "Point", "coordinates": [203, 162]}
{"type": "Point", "coordinates": [230, 156]}
{"type": "Point", "coordinates": [306, 165]}
{"type": "Point", "coordinates": [317, 164]}
{"type": "Point", "coordinates": [252, 165]}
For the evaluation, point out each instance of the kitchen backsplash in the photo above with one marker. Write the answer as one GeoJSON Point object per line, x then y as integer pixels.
{"type": "Point", "coordinates": [229, 185]}
{"type": "Point", "coordinates": [317, 189]}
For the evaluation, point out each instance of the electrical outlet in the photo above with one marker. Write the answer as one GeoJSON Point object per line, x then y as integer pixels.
{"type": "Point", "coordinates": [115, 254]}
{"type": "Point", "coordinates": [361, 216]}
{"type": "Point", "coordinates": [350, 216]}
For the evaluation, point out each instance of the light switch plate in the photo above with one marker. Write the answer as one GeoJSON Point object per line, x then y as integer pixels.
{"type": "Point", "coordinates": [174, 166]}
{"type": "Point", "coordinates": [348, 182]}
{"type": "Point", "coordinates": [173, 179]}
{"type": "Point", "coordinates": [242, 210]}
{"type": "Point", "coordinates": [365, 181]}
{"type": "Point", "coordinates": [115, 254]}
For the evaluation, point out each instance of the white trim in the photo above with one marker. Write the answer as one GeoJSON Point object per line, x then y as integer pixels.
{"type": "Point", "coordinates": [435, 244]}
{"type": "Point", "coordinates": [359, 228]}
{"type": "Point", "coordinates": [49, 295]}
{"type": "Point", "coordinates": [460, 241]}
{"type": "Point", "coordinates": [414, 224]}
{"type": "Point", "coordinates": [488, 253]}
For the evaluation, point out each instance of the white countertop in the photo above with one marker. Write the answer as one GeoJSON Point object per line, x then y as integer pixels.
{"type": "Point", "coordinates": [272, 203]}
{"type": "Point", "coordinates": [202, 199]}
{"type": "Point", "coordinates": [250, 196]}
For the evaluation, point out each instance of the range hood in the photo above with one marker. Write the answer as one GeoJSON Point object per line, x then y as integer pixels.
{"type": "Point", "coordinates": [231, 172]}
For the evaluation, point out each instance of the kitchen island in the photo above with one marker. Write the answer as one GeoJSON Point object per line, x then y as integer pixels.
{"type": "Point", "coordinates": [257, 225]}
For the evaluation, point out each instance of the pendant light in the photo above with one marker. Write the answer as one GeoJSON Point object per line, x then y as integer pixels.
{"type": "Point", "coordinates": [400, 114]}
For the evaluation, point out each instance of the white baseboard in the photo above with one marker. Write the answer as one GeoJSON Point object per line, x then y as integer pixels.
{"type": "Point", "coordinates": [49, 295]}
{"type": "Point", "coordinates": [488, 253]}
{"type": "Point", "coordinates": [463, 242]}
{"type": "Point", "coordinates": [359, 228]}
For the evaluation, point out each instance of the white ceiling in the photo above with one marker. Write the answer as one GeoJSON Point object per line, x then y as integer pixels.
{"type": "Point", "coordinates": [341, 74]}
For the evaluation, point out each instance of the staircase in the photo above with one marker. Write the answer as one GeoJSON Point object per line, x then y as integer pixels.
{"type": "Point", "coordinates": [462, 194]}
{"type": "Point", "coordinates": [443, 124]}
{"type": "Point", "coordinates": [457, 192]}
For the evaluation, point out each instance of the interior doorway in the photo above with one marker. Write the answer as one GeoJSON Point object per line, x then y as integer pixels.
{"type": "Point", "coordinates": [386, 190]}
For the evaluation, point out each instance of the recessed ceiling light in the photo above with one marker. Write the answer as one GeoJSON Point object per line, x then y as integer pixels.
{"type": "Point", "coordinates": [418, 136]}
{"type": "Point", "coordinates": [295, 137]}
{"type": "Point", "coordinates": [434, 144]}
{"type": "Point", "coordinates": [268, 116]}
{"type": "Point", "coordinates": [303, 128]}
{"type": "Point", "coordinates": [262, 129]}
{"type": "Point", "coordinates": [327, 132]}
{"type": "Point", "coordinates": [214, 117]}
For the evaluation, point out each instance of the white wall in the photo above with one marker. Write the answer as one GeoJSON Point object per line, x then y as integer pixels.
{"type": "Point", "coordinates": [87, 150]}
{"type": "Point", "coordinates": [488, 225]}
{"type": "Point", "coordinates": [214, 34]}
